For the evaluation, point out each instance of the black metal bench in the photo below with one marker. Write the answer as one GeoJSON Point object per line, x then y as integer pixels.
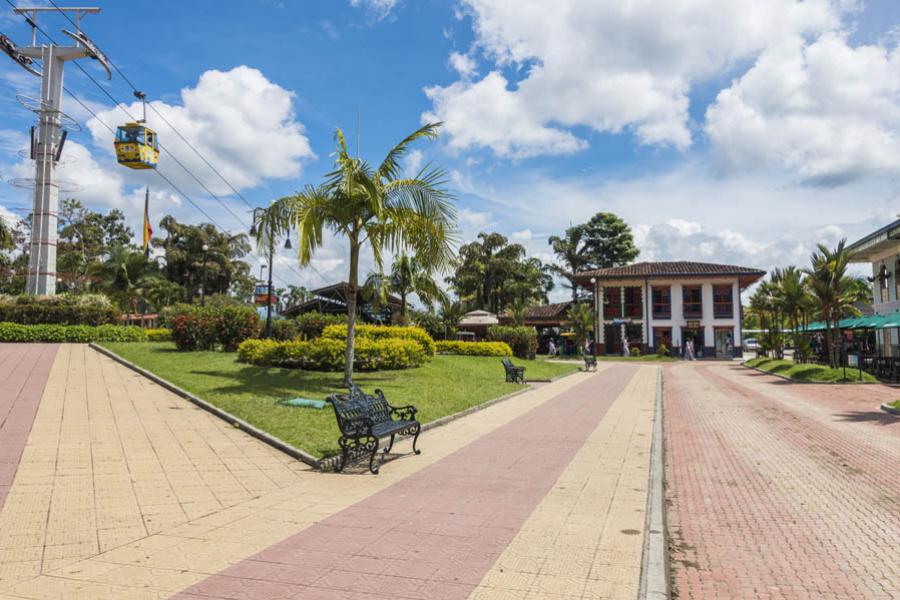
{"type": "Point", "coordinates": [364, 419]}
{"type": "Point", "coordinates": [590, 362]}
{"type": "Point", "coordinates": [514, 374]}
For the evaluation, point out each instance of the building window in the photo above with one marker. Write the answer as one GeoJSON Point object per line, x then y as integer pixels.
{"type": "Point", "coordinates": [612, 303]}
{"type": "Point", "coordinates": [634, 303]}
{"type": "Point", "coordinates": [662, 302]}
{"type": "Point", "coordinates": [692, 297]}
{"type": "Point", "coordinates": [723, 302]}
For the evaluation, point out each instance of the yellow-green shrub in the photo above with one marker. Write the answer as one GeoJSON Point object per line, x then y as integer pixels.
{"type": "Point", "coordinates": [381, 332]}
{"type": "Point", "coordinates": [474, 348]}
{"type": "Point", "coordinates": [159, 335]}
{"type": "Point", "coordinates": [327, 354]}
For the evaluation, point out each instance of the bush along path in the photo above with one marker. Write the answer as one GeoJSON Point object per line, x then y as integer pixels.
{"type": "Point", "coordinates": [809, 373]}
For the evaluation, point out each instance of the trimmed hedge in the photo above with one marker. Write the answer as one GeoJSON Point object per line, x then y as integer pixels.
{"type": "Point", "coordinates": [312, 324]}
{"type": "Point", "coordinates": [523, 340]}
{"type": "Point", "coordinates": [203, 328]}
{"type": "Point", "coordinates": [159, 335]}
{"type": "Point", "coordinates": [327, 354]}
{"type": "Point", "coordinates": [474, 348]}
{"type": "Point", "coordinates": [64, 309]}
{"type": "Point", "coordinates": [14, 332]}
{"type": "Point", "coordinates": [382, 332]}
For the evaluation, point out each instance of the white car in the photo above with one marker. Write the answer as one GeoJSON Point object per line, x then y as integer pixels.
{"type": "Point", "coordinates": [751, 344]}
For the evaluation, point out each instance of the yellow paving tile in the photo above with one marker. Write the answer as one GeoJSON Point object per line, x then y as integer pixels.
{"type": "Point", "coordinates": [586, 535]}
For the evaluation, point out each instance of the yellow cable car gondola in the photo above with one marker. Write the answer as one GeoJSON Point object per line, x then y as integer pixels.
{"type": "Point", "coordinates": [136, 146]}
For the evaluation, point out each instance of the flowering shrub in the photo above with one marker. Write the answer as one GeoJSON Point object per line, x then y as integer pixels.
{"type": "Point", "coordinates": [382, 332]}
{"type": "Point", "coordinates": [158, 335]}
{"type": "Point", "coordinates": [203, 328]}
{"type": "Point", "coordinates": [523, 340]}
{"type": "Point", "coordinates": [326, 354]}
{"type": "Point", "coordinates": [474, 348]}
{"type": "Point", "coordinates": [284, 330]}
{"type": "Point", "coordinates": [14, 332]}
{"type": "Point", "coordinates": [64, 309]}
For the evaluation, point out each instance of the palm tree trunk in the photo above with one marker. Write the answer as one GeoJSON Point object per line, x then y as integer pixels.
{"type": "Point", "coordinates": [351, 311]}
{"type": "Point", "coordinates": [403, 308]}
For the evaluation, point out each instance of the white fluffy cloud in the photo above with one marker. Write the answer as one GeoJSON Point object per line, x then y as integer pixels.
{"type": "Point", "coordinates": [828, 111]}
{"type": "Point", "coordinates": [240, 121]}
{"type": "Point", "coordinates": [380, 8]}
{"type": "Point", "coordinates": [609, 66]}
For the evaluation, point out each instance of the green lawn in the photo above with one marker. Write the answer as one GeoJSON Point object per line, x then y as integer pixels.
{"type": "Point", "coordinates": [807, 373]}
{"type": "Point", "coordinates": [895, 404]}
{"type": "Point", "coordinates": [445, 385]}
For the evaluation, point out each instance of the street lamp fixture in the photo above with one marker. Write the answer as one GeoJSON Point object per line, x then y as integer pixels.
{"type": "Point", "coordinates": [205, 249]}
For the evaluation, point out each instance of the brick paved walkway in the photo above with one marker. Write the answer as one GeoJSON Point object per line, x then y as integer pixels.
{"type": "Point", "coordinates": [780, 490]}
{"type": "Point", "coordinates": [144, 496]}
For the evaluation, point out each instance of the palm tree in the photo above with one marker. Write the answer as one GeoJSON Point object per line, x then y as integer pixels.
{"type": "Point", "coordinates": [375, 206]}
{"type": "Point", "coordinates": [833, 290]}
{"type": "Point", "coordinates": [581, 318]}
{"type": "Point", "coordinates": [294, 295]}
{"type": "Point", "coordinates": [451, 313]}
{"type": "Point", "coordinates": [572, 252]}
{"type": "Point", "coordinates": [407, 276]}
{"type": "Point", "coordinates": [125, 274]}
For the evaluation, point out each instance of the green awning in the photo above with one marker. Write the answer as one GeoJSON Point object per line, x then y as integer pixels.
{"type": "Point", "coordinates": [886, 321]}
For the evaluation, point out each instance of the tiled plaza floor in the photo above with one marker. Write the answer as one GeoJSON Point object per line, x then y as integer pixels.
{"type": "Point", "coordinates": [126, 491]}
{"type": "Point", "coordinates": [778, 490]}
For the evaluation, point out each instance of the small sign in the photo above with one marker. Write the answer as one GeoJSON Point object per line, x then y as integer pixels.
{"type": "Point", "coordinates": [620, 321]}
{"type": "Point", "coordinates": [693, 324]}
{"type": "Point", "coordinates": [853, 360]}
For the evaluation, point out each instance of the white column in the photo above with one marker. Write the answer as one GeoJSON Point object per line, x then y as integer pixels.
{"type": "Point", "coordinates": [598, 306]}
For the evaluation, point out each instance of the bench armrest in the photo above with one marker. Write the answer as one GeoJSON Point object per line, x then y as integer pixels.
{"type": "Point", "coordinates": [404, 413]}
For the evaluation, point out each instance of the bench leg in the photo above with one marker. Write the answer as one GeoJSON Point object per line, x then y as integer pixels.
{"type": "Point", "coordinates": [416, 439]}
{"type": "Point", "coordinates": [372, 467]}
{"type": "Point", "coordinates": [390, 444]}
{"type": "Point", "coordinates": [345, 451]}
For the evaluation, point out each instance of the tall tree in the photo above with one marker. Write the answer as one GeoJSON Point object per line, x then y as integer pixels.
{"type": "Point", "coordinates": [125, 275]}
{"type": "Point", "coordinates": [185, 261]}
{"type": "Point", "coordinates": [380, 207]}
{"type": "Point", "coordinates": [491, 274]}
{"type": "Point", "coordinates": [609, 241]}
{"type": "Point", "coordinates": [572, 252]}
{"type": "Point", "coordinates": [834, 291]}
{"type": "Point", "coordinates": [85, 237]}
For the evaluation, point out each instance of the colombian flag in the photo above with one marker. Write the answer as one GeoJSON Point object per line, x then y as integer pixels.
{"type": "Point", "coordinates": [148, 231]}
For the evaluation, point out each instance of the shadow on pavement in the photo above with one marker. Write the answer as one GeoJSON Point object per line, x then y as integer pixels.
{"type": "Point", "coordinates": [869, 417]}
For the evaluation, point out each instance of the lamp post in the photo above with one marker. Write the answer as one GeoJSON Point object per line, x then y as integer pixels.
{"type": "Point", "coordinates": [205, 249]}
{"type": "Point", "coordinates": [255, 232]}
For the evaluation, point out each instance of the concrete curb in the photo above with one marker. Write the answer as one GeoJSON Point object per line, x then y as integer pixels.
{"type": "Point", "coordinates": [225, 416]}
{"type": "Point", "coordinates": [890, 409]}
{"type": "Point", "coordinates": [279, 444]}
{"type": "Point", "coordinates": [789, 380]}
{"type": "Point", "coordinates": [655, 562]}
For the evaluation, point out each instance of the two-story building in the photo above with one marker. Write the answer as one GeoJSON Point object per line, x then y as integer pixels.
{"type": "Point", "coordinates": [651, 304]}
{"type": "Point", "coordinates": [881, 249]}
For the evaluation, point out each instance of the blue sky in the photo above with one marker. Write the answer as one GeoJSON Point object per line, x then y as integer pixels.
{"type": "Point", "coordinates": [721, 130]}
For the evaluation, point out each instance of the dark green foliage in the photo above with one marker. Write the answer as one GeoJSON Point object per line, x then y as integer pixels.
{"type": "Point", "coordinates": [82, 334]}
{"type": "Point", "coordinates": [285, 330]}
{"type": "Point", "coordinates": [523, 340]}
{"type": "Point", "coordinates": [64, 309]}
{"type": "Point", "coordinates": [312, 324]}
{"type": "Point", "coordinates": [492, 274]}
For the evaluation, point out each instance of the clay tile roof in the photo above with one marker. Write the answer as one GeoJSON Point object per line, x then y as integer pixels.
{"type": "Point", "coordinates": [673, 269]}
{"type": "Point", "coordinates": [548, 311]}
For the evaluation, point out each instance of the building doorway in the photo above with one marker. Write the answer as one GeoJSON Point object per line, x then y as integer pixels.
{"type": "Point", "coordinates": [724, 342]}
{"type": "Point", "coordinates": [694, 335]}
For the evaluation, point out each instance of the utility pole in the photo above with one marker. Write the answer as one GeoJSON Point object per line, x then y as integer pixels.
{"type": "Point", "coordinates": [47, 146]}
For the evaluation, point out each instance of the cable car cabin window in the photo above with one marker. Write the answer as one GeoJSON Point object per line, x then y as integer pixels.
{"type": "Point", "coordinates": [151, 139]}
{"type": "Point", "coordinates": [131, 135]}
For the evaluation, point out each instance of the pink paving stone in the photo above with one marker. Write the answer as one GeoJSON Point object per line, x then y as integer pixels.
{"type": "Point", "coordinates": [24, 369]}
{"type": "Point", "coordinates": [436, 533]}
{"type": "Point", "coordinates": [775, 493]}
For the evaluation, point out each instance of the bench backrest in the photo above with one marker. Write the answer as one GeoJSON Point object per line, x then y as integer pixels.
{"type": "Point", "coordinates": [377, 407]}
{"type": "Point", "coordinates": [507, 364]}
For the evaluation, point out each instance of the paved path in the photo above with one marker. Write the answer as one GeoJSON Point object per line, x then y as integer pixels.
{"type": "Point", "coordinates": [126, 491]}
{"type": "Point", "coordinates": [779, 490]}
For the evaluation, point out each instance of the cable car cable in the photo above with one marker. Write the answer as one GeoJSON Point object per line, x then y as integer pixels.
{"type": "Point", "coordinates": [166, 179]}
